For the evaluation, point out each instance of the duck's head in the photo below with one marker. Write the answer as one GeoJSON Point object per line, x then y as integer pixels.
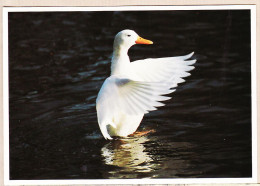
{"type": "Point", "coordinates": [127, 38]}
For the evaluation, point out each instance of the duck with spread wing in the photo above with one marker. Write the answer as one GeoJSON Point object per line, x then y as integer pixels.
{"type": "Point", "coordinates": [136, 88]}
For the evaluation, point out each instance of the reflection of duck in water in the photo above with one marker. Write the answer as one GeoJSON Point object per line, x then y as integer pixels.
{"type": "Point", "coordinates": [133, 159]}
{"type": "Point", "coordinates": [128, 153]}
{"type": "Point", "coordinates": [134, 89]}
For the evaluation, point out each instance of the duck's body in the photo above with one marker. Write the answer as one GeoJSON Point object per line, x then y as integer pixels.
{"type": "Point", "coordinates": [136, 88]}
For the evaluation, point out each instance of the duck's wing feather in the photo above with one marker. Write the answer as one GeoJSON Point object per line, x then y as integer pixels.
{"type": "Point", "coordinates": [163, 69]}
{"type": "Point", "coordinates": [128, 96]}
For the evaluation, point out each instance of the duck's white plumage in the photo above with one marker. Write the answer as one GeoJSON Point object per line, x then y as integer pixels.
{"type": "Point", "coordinates": [136, 88]}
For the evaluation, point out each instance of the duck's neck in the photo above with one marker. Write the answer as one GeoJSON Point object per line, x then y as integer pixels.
{"type": "Point", "coordinates": [120, 61]}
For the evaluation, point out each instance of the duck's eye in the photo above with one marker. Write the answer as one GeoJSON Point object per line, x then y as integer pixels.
{"type": "Point", "coordinates": [129, 35]}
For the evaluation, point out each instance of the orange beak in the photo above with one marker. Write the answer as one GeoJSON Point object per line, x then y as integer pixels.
{"type": "Point", "coordinates": [143, 41]}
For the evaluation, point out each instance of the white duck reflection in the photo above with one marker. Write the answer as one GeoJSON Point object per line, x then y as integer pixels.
{"type": "Point", "coordinates": [128, 153]}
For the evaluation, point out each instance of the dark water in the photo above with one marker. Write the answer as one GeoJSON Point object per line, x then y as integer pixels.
{"type": "Point", "coordinates": [58, 62]}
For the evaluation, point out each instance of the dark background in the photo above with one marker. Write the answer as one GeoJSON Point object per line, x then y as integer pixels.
{"type": "Point", "coordinates": [59, 60]}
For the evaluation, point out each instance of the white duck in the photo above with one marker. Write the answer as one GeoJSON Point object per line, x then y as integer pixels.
{"type": "Point", "coordinates": [136, 88]}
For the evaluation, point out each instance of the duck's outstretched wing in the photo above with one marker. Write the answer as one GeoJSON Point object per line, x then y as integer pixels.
{"type": "Point", "coordinates": [121, 95]}
{"type": "Point", "coordinates": [163, 69]}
